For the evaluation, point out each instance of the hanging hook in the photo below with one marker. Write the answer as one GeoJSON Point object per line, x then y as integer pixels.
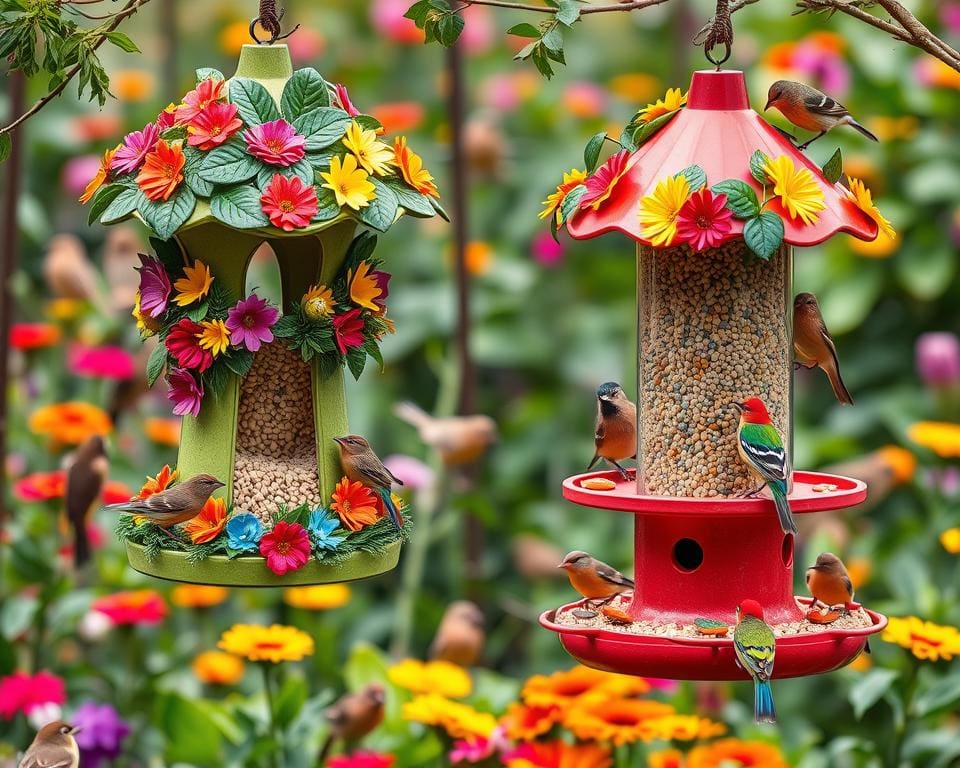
{"type": "Point", "coordinates": [720, 32]}
{"type": "Point", "coordinates": [270, 20]}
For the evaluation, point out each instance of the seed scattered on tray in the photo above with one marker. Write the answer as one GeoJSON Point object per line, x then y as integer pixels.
{"type": "Point", "coordinates": [598, 484]}
{"type": "Point", "coordinates": [824, 488]}
{"type": "Point", "coordinates": [616, 615]}
{"type": "Point", "coordinates": [583, 613]}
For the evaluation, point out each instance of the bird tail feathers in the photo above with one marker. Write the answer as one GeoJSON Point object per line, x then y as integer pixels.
{"type": "Point", "coordinates": [412, 414]}
{"type": "Point", "coordinates": [392, 512]}
{"type": "Point", "coordinates": [779, 491]}
{"type": "Point", "coordinates": [839, 388]}
{"type": "Point", "coordinates": [763, 709]}
{"type": "Point", "coordinates": [854, 124]}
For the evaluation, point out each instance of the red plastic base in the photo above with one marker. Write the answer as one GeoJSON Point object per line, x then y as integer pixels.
{"type": "Point", "coordinates": [681, 658]}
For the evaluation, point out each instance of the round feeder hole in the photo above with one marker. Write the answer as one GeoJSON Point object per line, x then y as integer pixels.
{"type": "Point", "coordinates": [687, 555]}
{"type": "Point", "coordinates": [786, 550]}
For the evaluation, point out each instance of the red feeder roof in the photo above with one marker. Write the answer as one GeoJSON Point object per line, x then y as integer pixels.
{"type": "Point", "coordinates": [718, 131]}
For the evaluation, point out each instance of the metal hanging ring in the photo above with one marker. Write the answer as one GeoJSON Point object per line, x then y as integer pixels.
{"type": "Point", "coordinates": [274, 32]}
{"type": "Point", "coordinates": [718, 62]}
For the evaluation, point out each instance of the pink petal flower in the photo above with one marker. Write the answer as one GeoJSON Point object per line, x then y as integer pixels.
{"type": "Point", "coordinates": [286, 547]}
{"type": "Point", "coordinates": [23, 693]}
{"type": "Point", "coordinates": [704, 221]}
{"type": "Point", "coordinates": [276, 143]}
{"type": "Point", "coordinates": [107, 362]}
{"type": "Point", "coordinates": [207, 91]}
{"type": "Point", "coordinates": [213, 126]}
{"type": "Point", "coordinates": [289, 203]}
{"type": "Point", "coordinates": [343, 99]}
{"type": "Point", "coordinates": [154, 286]}
{"type": "Point", "coordinates": [135, 147]}
{"type": "Point", "coordinates": [601, 184]}
{"type": "Point", "coordinates": [250, 321]}
{"type": "Point", "coordinates": [546, 250]}
{"type": "Point", "coordinates": [348, 330]}
{"type": "Point", "coordinates": [185, 392]}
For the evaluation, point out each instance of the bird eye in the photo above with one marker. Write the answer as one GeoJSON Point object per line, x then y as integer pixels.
{"type": "Point", "coordinates": [64, 730]}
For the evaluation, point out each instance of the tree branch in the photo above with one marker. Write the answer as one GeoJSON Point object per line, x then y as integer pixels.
{"type": "Point", "coordinates": [627, 5]}
{"type": "Point", "coordinates": [128, 10]}
{"type": "Point", "coordinates": [736, 5]}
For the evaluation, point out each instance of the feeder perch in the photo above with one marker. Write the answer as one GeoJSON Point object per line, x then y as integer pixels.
{"type": "Point", "coordinates": [714, 328]}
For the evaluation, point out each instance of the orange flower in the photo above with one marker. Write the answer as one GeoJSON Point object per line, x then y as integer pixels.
{"type": "Point", "coordinates": [734, 753]}
{"type": "Point", "coordinates": [162, 171]}
{"type": "Point", "coordinates": [206, 526]}
{"type": "Point", "coordinates": [924, 639]}
{"type": "Point", "coordinates": [218, 668]}
{"type": "Point", "coordinates": [101, 175]}
{"type": "Point", "coordinates": [859, 570]}
{"type": "Point", "coordinates": [355, 504]}
{"type": "Point", "coordinates": [198, 595]}
{"type": "Point", "coordinates": [164, 479]}
{"type": "Point", "coordinates": [70, 423]}
{"type": "Point", "coordinates": [621, 721]}
{"type": "Point", "coordinates": [411, 166]}
{"type": "Point", "coordinates": [564, 688]}
{"type": "Point", "coordinates": [901, 462]}
{"type": "Point", "coordinates": [523, 723]}
{"type": "Point", "coordinates": [41, 486]}
{"type": "Point", "coordinates": [559, 754]}
{"type": "Point", "coordinates": [398, 116]}
{"type": "Point", "coordinates": [668, 758]}
{"type": "Point", "coordinates": [132, 85]}
{"type": "Point", "coordinates": [163, 431]}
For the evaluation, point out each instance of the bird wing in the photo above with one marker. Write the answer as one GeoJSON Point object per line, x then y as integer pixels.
{"type": "Point", "coordinates": [756, 647]}
{"type": "Point", "coordinates": [61, 759]}
{"type": "Point", "coordinates": [821, 104]}
{"type": "Point", "coordinates": [82, 489]}
{"type": "Point", "coordinates": [763, 450]}
{"type": "Point", "coordinates": [612, 575]}
{"type": "Point", "coordinates": [828, 341]}
{"type": "Point", "coordinates": [371, 468]}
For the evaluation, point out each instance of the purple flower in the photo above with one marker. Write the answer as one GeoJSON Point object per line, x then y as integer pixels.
{"type": "Point", "coordinates": [102, 733]}
{"type": "Point", "coordinates": [185, 392]}
{"type": "Point", "coordinates": [154, 286]}
{"type": "Point", "coordinates": [135, 147]}
{"type": "Point", "coordinates": [276, 143]}
{"type": "Point", "coordinates": [546, 250]}
{"type": "Point", "coordinates": [938, 359]}
{"type": "Point", "coordinates": [250, 322]}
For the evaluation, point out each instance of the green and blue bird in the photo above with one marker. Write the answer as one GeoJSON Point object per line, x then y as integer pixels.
{"type": "Point", "coordinates": [755, 647]}
{"type": "Point", "coordinates": [762, 451]}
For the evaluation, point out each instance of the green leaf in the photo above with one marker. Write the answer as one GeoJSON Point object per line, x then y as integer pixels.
{"type": "Point", "coordinates": [191, 173]}
{"type": "Point", "coordinates": [165, 218]}
{"type": "Point", "coordinates": [301, 169]}
{"type": "Point", "coordinates": [305, 91]}
{"type": "Point", "coordinates": [942, 695]}
{"type": "Point", "coordinates": [290, 698]}
{"type": "Point", "coordinates": [524, 30]}
{"type": "Point", "coordinates": [229, 164]}
{"type": "Point", "coordinates": [156, 363]}
{"type": "Point", "coordinates": [409, 199]}
{"type": "Point", "coordinates": [356, 361]}
{"type": "Point", "coordinates": [591, 153]}
{"type": "Point", "coordinates": [439, 208]}
{"type": "Point", "coordinates": [568, 12]}
{"type": "Point", "coordinates": [368, 122]}
{"type": "Point", "coordinates": [757, 161]}
{"type": "Point", "coordinates": [122, 42]}
{"type": "Point", "coordinates": [6, 147]}
{"type": "Point", "coordinates": [571, 202]}
{"type": "Point", "coordinates": [103, 198]}
{"type": "Point", "coordinates": [239, 207]}
{"type": "Point", "coordinates": [526, 52]}
{"type": "Point", "coordinates": [209, 73]}
{"type": "Point", "coordinates": [553, 39]}
{"type": "Point", "coordinates": [763, 234]}
{"type": "Point", "coordinates": [869, 689]}
{"type": "Point", "coordinates": [646, 131]}
{"type": "Point", "coordinates": [541, 60]}
{"type": "Point", "coordinates": [122, 205]}
{"type": "Point", "coordinates": [382, 211]}
{"type": "Point", "coordinates": [327, 207]}
{"type": "Point", "coordinates": [418, 12]}
{"type": "Point", "coordinates": [199, 313]}
{"type": "Point", "coordinates": [254, 103]}
{"type": "Point", "coordinates": [833, 168]}
{"type": "Point", "coordinates": [695, 176]}
{"type": "Point", "coordinates": [322, 126]}
{"type": "Point", "coordinates": [373, 349]}
{"type": "Point", "coordinates": [741, 199]}
{"type": "Point", "coordinates": [239, 361]}
{"type": "Point", "coordinates": [449, 29]}
{"type": "Point", "coordinates": [192, 737]}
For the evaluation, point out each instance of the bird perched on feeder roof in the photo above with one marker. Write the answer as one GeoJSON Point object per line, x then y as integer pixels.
{"type": "Point", "coordinates": [762, 451]}
{"type": "Point", "coordinates": [175, 505]}
{"type": "Point", "coordinates": [86, 472]}
{"type": "Point", "coordinates": [755, 647]}
{"type": "Point", "coordinates": [353, 716]}
{"type": "Point", "coordinates": [616, 430]}
{"type": "Point", "coordinates": [810, 109]}
{"type": "Point", "coordinates": [360, 464]}
{"type": "Point", "coordinates": [460, 637]}
{"type": "Point", "coordinates": [595, 580]}
{"type": "Point", "coordinates": [812, 345]}
{"type": "Point", "coordinates": [458, 439]}
{"type": "Point", "coordinates": [53, 747]}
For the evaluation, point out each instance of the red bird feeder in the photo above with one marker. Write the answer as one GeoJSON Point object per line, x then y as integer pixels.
{"type": "Point", "coordinates": [715, 198]}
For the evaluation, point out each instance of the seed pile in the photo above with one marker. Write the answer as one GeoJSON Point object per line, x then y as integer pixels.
{"type": "Point", "coordinates": [276, 458]}
{"type": "Point", "coordinates": [714, 328]}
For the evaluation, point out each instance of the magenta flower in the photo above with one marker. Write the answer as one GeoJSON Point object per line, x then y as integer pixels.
{"type": "Point", "coordinates": [286, 547]}
{"type": "Point", "coordinates": [546, 250]}
{"type": "Point", "coordinates": [185, 392]}
{"type": "Point", "coordinates": [250, 322]}
{"type": "Point", "coordinates": [108, 362]}
{"type": "Point", "coordinates": [289, 203]}
{"type": "Point", "coordinates": [276, 143]}
{"type": "Point", "coordinates": [154, 286]}
{"type": "Point", "coordinates": [183, 342]}
{"type": "Point", "coordinates": [135, 147]}
{"type": "Point", "coordinates": [348, 330]}
{"type": "Point", "coordinates": [343, 99]}
{"type": "Point", "coordinates": [938, 359]}
{"type": "Point", "coordinates": [213, 126]}
{"type": "Point", "coordinates": [601, 184]}
{"type": "Point", "coordinates": [704, 220]}
{"type": "Point", "coordinates": [167, 118]}
{"type": "Point", "coordinates": [409, 469]}
{"type": "Point", "coordinates": [22, 693]}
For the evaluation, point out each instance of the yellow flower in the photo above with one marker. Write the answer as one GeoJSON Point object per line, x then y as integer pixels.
{"type": "Point", "coordinates": [65, 310]}
{"type": "Point", "coordinates": [564, 688]}
{"type": "Point", "coordinates": [950, 539]}
{"type": "Point", "coordinates": [634, 86]}
{"type": "Point", "coordinates": [374, 156]}
{"type": "Point", "coordinates": [882, 247]}
{"type": "Point", "coordinates": [350, 183]}
{"type": "Point", "coordinates": [216, 668]}
{"type": "Point", "coordinates": [460, 721]}
{"type": "Point", "coordinates": [729, 753]}
{"type": "Point", "coordinates": [321, 597]}
{"type": "Point", "coordinates": [276, 643]}
{"type": "Point", "coordinates": [941, 437]}
{"type": "Point", "coordinates": [364, 287]}
{"type": "Point", "coordinates": [194, 285]}
{"type": "Point", "coordinates": [674, 100]}
{"type": "Point", "coordinates": [317, 302]}
{"type": "Point", "coordinates": [901, 462]}
{"type": "Point", "coordinates": [234, 36]}
{"type": "Point", "coordinates": [620, 721]}
{"type": "Point", "coordinates": [215, 336]}
{"type": "Point", "coordinates": [132, 85]}
{"type": "Point", "coordinates": [554, 200]}
{"type": "Point", "coordinates": [862, 663]}
{"type": "Point", "coordinates": [438, 677]}
{"type": "Point", "coordinates": [924, 639]}
{"type": "Point", "coordinates": [684, 728]}
{"type": "Point", "coordinates": [863, 199]}
{"type": "Point", "coordinates": [799, 192]}
{"type": "Point", "coordinates": [198, 596]}
{"type": "Point", "coordinates": [659, 211]}
{"type": "Point", "coordinates": [667, 758]}
{"type": "Point", "coordinates": [146, 325]}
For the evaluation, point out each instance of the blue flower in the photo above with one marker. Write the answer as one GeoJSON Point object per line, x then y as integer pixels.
{"type": "Point", "coordinates": [244, 532]}
{"type": "Point", "coordinates": [322, 526]}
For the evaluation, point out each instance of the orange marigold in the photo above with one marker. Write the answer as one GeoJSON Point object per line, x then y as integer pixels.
{"type": "Point", "coordinates": [164, 479]}
{"type": "Point", "coordinates": [355, 504]}
{"type": "Point", "coordinates": [198, 595]}
{"type": "Point", "coordinates": [620, 721]}
{"type": "Point", "coordinates": [667, 758]}
{"type": "Point", "coordinates": [564, 688]}
{"type": "Point", "coordinates": [411, 167]}
{"type": "Point", "coordinates": [163, 431]}
{"type": "Point", "coordinates": [559, 754]}
{"type": "Point", "coordinates": [100, 176]}
{"type": "Point", "coordinates": [523, 723]}
{"type": "Point", "coordinates": [206, 526]}
{"type": "Point", "coordinates": [734, 753]}
{"type": "Point", "coordinates": [218, 668]}
{"type": "Point", "coordinates": [70, 423]}
{"type": "Point", "coordinates": [162, 171]}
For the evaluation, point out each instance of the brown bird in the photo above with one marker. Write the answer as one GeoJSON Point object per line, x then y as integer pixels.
{"type": "Point", "coordinates": [86, 470]}
{"type": "Point", "coordinates": [68, 271]}
{"type": "Point", "coordinates": [829, 583]}
{"type": "Point", "coordinates": [812, 345]}
{"type": "Point", "coordinates": [595, 580]}
{"type": "Point", "coordinates": [460, 637]}
{"type": "Point", "coordinates": [615, 436]}
{"type": "Point", "coordinates": [810, 109]}
{"type": "Point", "coordinates": [353, 716]}
{"type": "Point", "coordinates": [362, 465]}
{"type": "Point", "coordinates": [458, 439]}
{"type": "Point", "coordinates": [175, 505]}
{"type": "Point", "coordinates": [53, 747]}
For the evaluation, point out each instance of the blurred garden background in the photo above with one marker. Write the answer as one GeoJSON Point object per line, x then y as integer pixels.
{"type": "Point", "coordinates": [136, 661]}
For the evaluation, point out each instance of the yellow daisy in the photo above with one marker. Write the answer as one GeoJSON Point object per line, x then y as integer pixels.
{"type": "Point", "coordinates": [275, 643]}
{"type": "Point", "coordinates": [374, 156]}
{"type": "Point", "coordinates": [671, 102]}
{"type": "Point", "coordinates": [659, 210]}
{"type": "Point", "coordinates": [349, 182]}
{"type": "Point", "coordinates": [437, 677]}
{"type": "Point", "coordinates": [950, 539]}
{"type": "Point", "coordinates": [555, 200]}
{"type": "Point", "coordinates": [941, 437]}
{"type": "Point", "coordinates": [218, 668]}
{"type": "Point", "coordinates": [194, 285]}
{"type": "Point", "coordinates": [146, 325]}
{"type": "Point", "coordinates": [863, 199]}
{"type": "Point", "coordinates": [460, 721]}
{"type": "Point", "coordinates": [799, 192]}
{"type": "Point", "coordinates": [924, 639]}
{"type": "Point", "coordinates": [321, 597]}
{"type": "Point", "coordinates": [215, 336]}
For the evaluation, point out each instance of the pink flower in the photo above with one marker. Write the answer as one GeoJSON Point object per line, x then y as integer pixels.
{"type": "Point", "coordinates": [213, 126]}
{"type": "Point", "coordinates": [601, 184]}
{"type": "Point", "coordinates": [584, 99]}
{"type": "Point", "coordinates": [135, 147]}
{"type": "Point", "coordinates": [78, 171]}
{"type": "Point", "coordinates": [950, 17]}
{"type": "Point", "coordinates": [343, 99]}
{"type": "Point", "coordinates": [276, 143]}
{"type": "Point", "coordinates": [138, 606]}
{"type": "Point", "coordinates": [361, 759]}
{"type": "Point", "coordinates": [183, 342]}
{"type": "Point", "coordinates": [546, 250]}
{"type": "Point", "coordinates": [938, 359]}
{"type": "Point", "coordinates": [823, 65]}
{"type": "Point", "coordinates": [107, 362]}
{"type": "Point", "coordinates": [348, 330]}
{"type": "Point", "coordinates": [250, 321]}
{"type": "Point", "coordinates": [154, 286]}
{"type": "Point", "coordinates": [410, 470]}
{"type": "Point", "coordinates": [704, 221]}
{"type": "Point", "coordinates": [167, 118]}
{"type": "Point", "coordinates": [478, 33]}
{"type": "Point", "coordinates": [388, 19]}
{"type": "Point", "coordinates": [306, 45]}
{"type": "Point", "coordinates": [23, 693]}
{"type": "Point", "coordinates": [470, 750]}
{"type": "Point", "coordinates": [289, 203]}
{"type": "Point", "coordinates": [185, 392]}
{"type": "Point", "coordinates": [286, 547]}
{"type": "Point", "coordinates": [207, 91]}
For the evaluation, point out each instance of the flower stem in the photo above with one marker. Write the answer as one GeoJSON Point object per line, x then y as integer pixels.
{"type": "Point", "coordinates": [277, 752]}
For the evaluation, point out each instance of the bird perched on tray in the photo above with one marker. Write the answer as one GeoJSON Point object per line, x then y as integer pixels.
{"type": "Point", "coordinates": [460, 637]}
{"type": "Point", "coordinates": [812, 345]}
{"type": "Point", "coordinates": [353, 716]}
{"type": "Point", "coordinates": [755, 647]}
{"type": "Point", "coordinates": [762, 451]}
{"type": "Point", "coordinates": [810, 109]}
{"type": "Point", "coordinates": [829, 583]}
{"type": "Point", "coordinates": [598, 582]}
{"type": "Point", "coordinates": [360, 464]}
{"type": "Point", "coordinates": [616, 430]}
{"type": "Point", "coordinates": [86, 472]}
{"type": "Point", "coordinates": [175, 505]}
{"type": "Point", "coordinates": [53, 747]}
{"type": "Point", "coordinates": [458, 439]}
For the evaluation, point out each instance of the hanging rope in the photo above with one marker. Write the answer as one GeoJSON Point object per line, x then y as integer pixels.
{"type": "Point", "coordinates": [269, 20]}
{"type": "Point", "coordinates": [721, 33]}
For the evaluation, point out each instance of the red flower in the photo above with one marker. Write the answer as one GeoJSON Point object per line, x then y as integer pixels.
{"type": "Point", "coordinates": [348, 330]}
{"type": "Point", "coordinates": [704, 220]}
{"type": "Point", "coordinates": [213, 126]}
{"type": "Point", "coordinates": [41, 486]}
{"type": "Point", "coordinates": [141, 606]}
{"type": "Point", "coordinates": [116, 492]}
{"type": "Point", "coordinates": [207, 91]}
{"type": "Point", "coordinates": [286, 547]}
{"type": "Point", "coordinates": [21, 692]}
{"type": "Point", "coordinates": [108, 362]}
{"type": "Point", "coordinates": [600, 185]}
{"type": "Point", "coordinates": [362, 759]}
{"type": "Point", "coordinates": [183, 342]}
{"type": "Point", "coordinates": [289, 203]}
{"type": "Point", "coordinates": [33, 335]}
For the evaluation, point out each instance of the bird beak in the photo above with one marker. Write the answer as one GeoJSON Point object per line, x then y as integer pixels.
{"type": "Point", "coordinates": [738, 406]}
{"type": "Point", "coordinates": [76, 729]}
{"type": "Point", "coordinates": [562, 566]}
{"type": "Point", "coordinates": [221, 485]}
{"type": "Point", "coordinates": [338, 440]}
{"type": "Point", "coordinates": [767, 105]}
